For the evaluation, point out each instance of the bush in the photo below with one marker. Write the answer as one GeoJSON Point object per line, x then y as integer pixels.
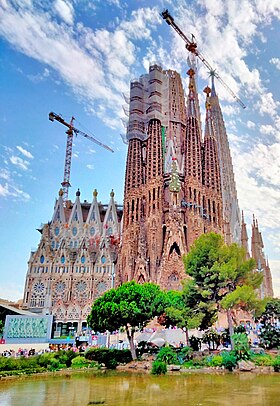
{"type": "Point", "coordinates": [276, 364]}
{"type": "Point", "coordinates": [109, 357]}
{"type": "Point", "coordinates": [186, 353]}
{"type": "Point", "coordinates": [159, 368]}
{"type": "Point", "coordinates": [167, 355]}
{"type": "Point", "coordinates": [241, 346]}
{"type": "Point", "coordinates": [215, 361]}
{"type": "Point", "coordinates": [8, 364]}
{"type": "Point", "coordinates": [79, 362]}
{"type": "Point", "coordinates": [55, 365]}
{"type": "Point", "coordinates": [44, 359]}
{"type": "Point", "coordinates": [229, 360]}
{"type": "Point", "coordinates": [263, 360]}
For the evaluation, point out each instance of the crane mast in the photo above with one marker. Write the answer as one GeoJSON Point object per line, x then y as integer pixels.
{"type": "Point", "coordinates": [69, 147]}
{"type": "Point", "coordinates": [192, 47]}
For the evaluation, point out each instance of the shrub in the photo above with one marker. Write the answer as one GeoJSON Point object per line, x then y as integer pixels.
{"type": "Point", "coordinates": [229, 360]}
{"type": "Point", "coordinates": [8, 364]}
{"type": "Point", "coordinates": [54, 365]}
{"type": "Point", "coordinates": [79, 362]}
{"type": "Point", "coordinates": [241, 346]}
{"type": "Point", "coordinates": [65, 357]}
{"type": "Point", "coordinates": [109, 357]}
{"type": "Point", "coordinates": [276, 364]}
{"type": "Point", "coordinates": [263, 360]}
{"type": "Point", "coordinates": [159, 368]}
{"type": "Point", "coordinates": [215, 361]}
{"type": "Point", "coordinates": [167, 355]}
{"type": "Point", "coordinates": [44, 359]}
{"type": "Point", "coordinates": [186, 353]}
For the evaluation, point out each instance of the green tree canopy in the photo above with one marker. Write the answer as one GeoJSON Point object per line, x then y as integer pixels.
{"type": "Point", "coordinates": [270, 322]}
{"type": "Point", "coordinates": [219, 270]}
{"type": "Point", "coordinates": [130, 305]}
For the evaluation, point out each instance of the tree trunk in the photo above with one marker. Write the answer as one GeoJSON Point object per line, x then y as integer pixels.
{"type": "Point", "coordinates": [230, 327]}
{"type": "Point", "coordinates": [130, 337]}
{"type": "Point", "coordinates": [187, 338]}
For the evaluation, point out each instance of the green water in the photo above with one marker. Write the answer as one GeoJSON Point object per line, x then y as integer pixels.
{"type": "Point", "coordinates": [121, 390]}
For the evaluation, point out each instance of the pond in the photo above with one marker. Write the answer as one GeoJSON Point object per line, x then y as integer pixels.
{"type": "Point", "coordinates": [120, 389]}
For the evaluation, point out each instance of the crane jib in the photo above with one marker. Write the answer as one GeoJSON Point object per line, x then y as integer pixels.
{"type": "Point", "coordinates": [192, 47]}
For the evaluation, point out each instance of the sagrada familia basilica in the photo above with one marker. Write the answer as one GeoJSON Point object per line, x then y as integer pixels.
{"type": "Point", "coordinates": [179, 184]}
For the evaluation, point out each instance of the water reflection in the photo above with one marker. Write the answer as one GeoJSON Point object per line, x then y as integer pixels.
{"type": "Point", "coordinates": [126, 390]}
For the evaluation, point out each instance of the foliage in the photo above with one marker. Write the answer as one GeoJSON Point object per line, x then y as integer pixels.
{"type": "Point", "coordinates": [109, 357]}
{"type": "Point", "coordinates": [195, 343]}
{"type": "Point", "coordinates": [243, 297]}
{"type": "Point", "coordinates": [241, 346]}
{"type": "Point", "coordinates": [215, 361]}
{"type": "Point", "coordinates": [167, 355]}
{"type": "Point", "coordinates": [269, 319]}
{"type": "Point", "coordinates": [276, 364]}
{"type": "Point", "coordinates": [185, 353]}
{"type": "Point", "coordinates": [1, 328]}
{"type": "Point", "coordinates": [212, 339]}
{"type": "Point", "coordinates": [229, 360]}
{"type": "Point", "coordinates": [219, 271]}
{"type": "Point", "coordinates": [65, 357]}
{"type": "Point", "coordinates": [55, 364]}
{"type": "Point", "coordinates": [79, 362]}
{"type": "Point", "coordinates": [262, 360]}
{"type": "Point", "coordinates": [159, 368]}
{"type": "Point", "coordinates": [130, 305]}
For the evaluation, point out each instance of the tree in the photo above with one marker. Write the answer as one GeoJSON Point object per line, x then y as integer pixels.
{"type": "Point", "coordinates": [217, 270]}
{"type": "Point", "coordinates": [270, 324]}
{"type": "Point", "coordinates": [130, 305]}
{"type": "Point", "coordinates": [178, 313]}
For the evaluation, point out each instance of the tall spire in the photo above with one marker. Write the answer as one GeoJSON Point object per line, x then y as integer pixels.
{"type": "Point", "coordinates": [244, 237]}
{"type": "Point", "coordinates": [211, 160]}
{"type": "Point", "coordinates": [231, 213]}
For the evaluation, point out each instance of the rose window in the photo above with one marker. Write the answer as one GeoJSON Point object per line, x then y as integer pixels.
{"type": "Point", "coordinates": [39, 287]}
{"type": "Point", "coordinates": [81, 286]}
{"type": "Point", "coordinates": [60, 287]}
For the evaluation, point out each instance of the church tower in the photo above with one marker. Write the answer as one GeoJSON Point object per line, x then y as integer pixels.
{"type": "Point", "coordinates": [173, 189]}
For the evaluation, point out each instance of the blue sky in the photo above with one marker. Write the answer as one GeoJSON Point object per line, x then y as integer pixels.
{"type": "Point", "coordinates": [77, 57]}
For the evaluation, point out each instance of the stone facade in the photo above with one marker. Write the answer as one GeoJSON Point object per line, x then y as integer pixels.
{"type": "Point", "coordinates": [74, 262]}
{"type": "Point", "coordinates": [174, 178]}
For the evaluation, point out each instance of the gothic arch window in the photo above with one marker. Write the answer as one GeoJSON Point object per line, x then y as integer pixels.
{"type": "Point", "coordinates": [174, 247]}
{"type": "Point", "coordinates": [141, 279]}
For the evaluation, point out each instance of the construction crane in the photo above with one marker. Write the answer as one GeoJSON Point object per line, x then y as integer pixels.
{"type": "Point", "coordinates": [68, 156]}
{"type": "Point", "coordinates": [192, 47]}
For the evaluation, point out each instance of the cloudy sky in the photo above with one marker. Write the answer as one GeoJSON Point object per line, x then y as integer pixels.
{"type": "Point", "coordinates": [77, 57]}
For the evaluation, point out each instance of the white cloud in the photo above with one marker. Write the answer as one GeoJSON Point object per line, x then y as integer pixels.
{"type": "Point", "coordinates": [65, 10]}
{"type": "Point", "coordinates": [4, 190]}
{"type": "Point", "coordinates": [250, 124]}
{"type": "Point", "coordinates": [24, 152]}
{"type": "Point", "coordinates": [19, 162]}
{"type": "Point", "coordinates": [5, 174]}
{"type": "Point", "coordinates": [90, 166]}
{"type": "Point", "coordinates": [9, 190]}
{"type": "Point", "coordinates": [276, 62]}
